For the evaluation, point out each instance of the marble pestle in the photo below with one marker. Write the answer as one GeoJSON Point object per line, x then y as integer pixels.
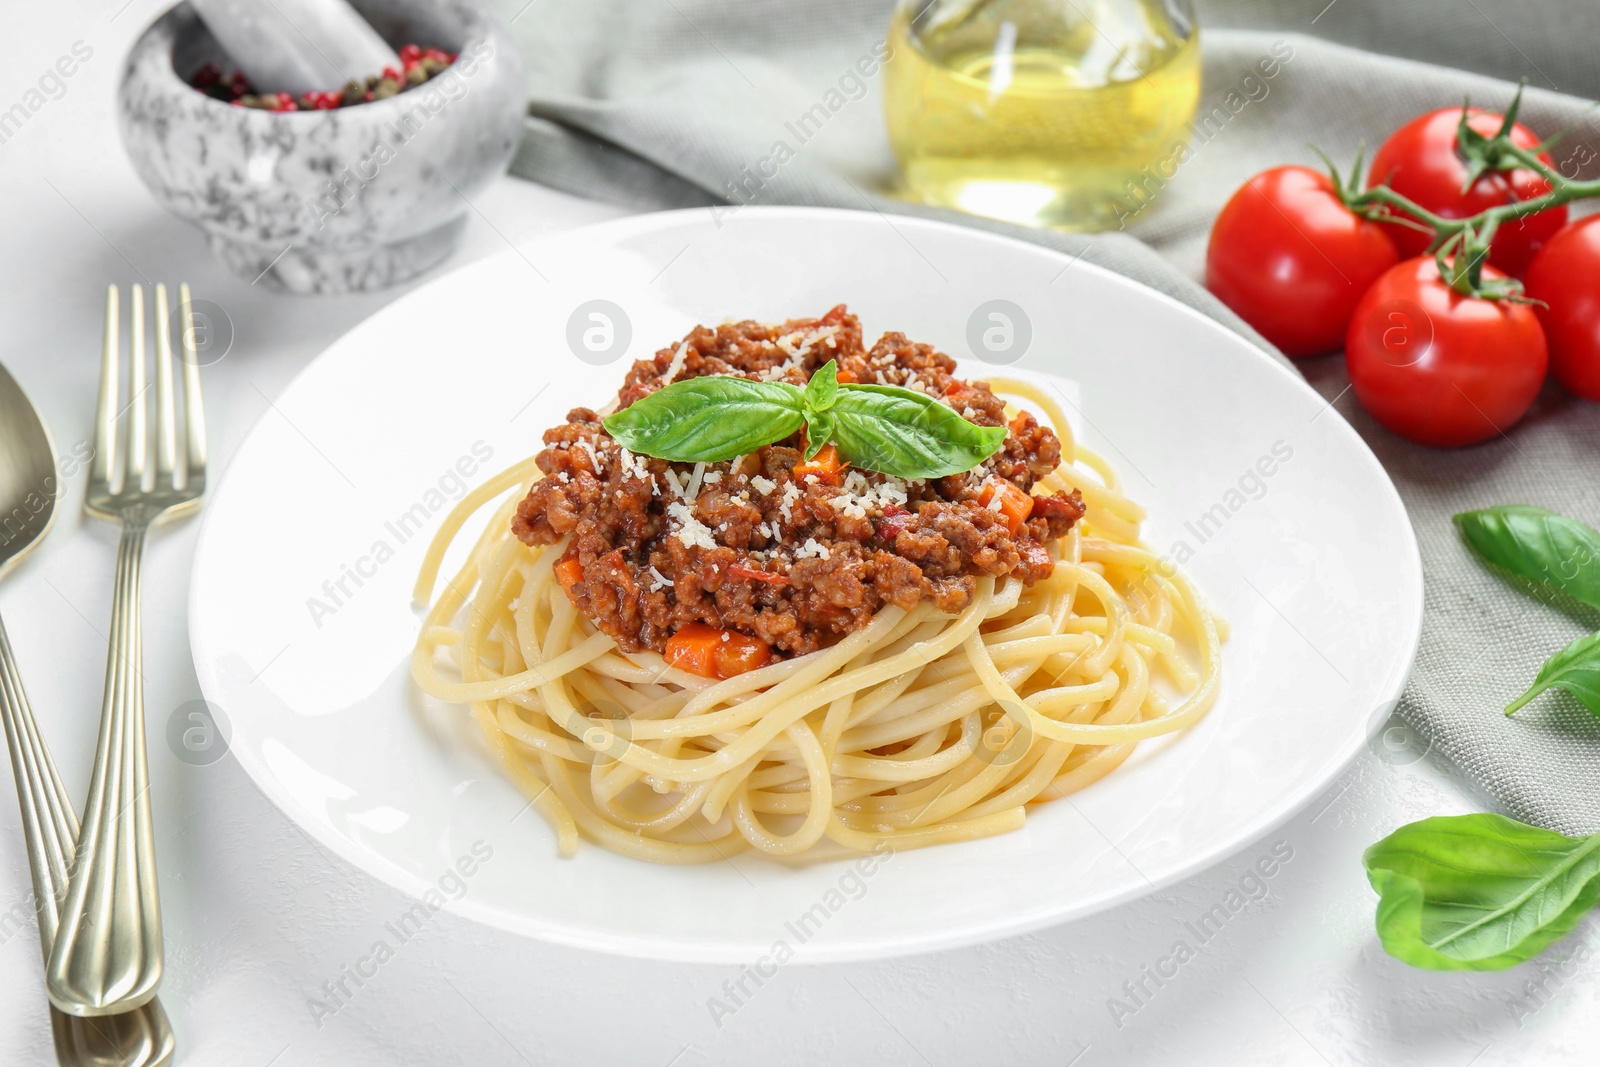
{"type": "Point", "coordinates": [296, 46]}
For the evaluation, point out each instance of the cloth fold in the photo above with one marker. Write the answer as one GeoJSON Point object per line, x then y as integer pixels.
{"type": "Point", "coordinates": [679, 103]}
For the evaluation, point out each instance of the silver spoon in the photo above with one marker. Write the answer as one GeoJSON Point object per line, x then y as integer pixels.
{"type": "Point", "coordinates": [29, 487]}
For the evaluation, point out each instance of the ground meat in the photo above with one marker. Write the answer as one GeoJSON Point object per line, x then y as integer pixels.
{"type": "Point", "coordinates": [745, 545]}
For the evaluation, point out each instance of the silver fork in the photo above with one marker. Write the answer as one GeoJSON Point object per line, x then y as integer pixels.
{"type": "Point", "coordinates": [107, 957]}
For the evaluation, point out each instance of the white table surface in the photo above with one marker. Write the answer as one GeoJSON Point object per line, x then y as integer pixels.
{"type": "Point", "coordinates": [258, 919]}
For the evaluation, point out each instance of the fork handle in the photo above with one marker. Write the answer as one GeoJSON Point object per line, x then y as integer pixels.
{"type": "Point", "coordinates": [107, 956]}
{"type": "Point", "coordinates": [49, 825]}
{"type": "Point", "coordinates": [142, 1038]}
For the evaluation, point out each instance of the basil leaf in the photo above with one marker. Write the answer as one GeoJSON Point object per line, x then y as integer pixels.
{"type": "Point", "coordinates": [1575, 668]}
{"type": "Point", "coordinates": [1538, 545]}
{"type": "Point", "coordinates": [907, 434]}
{"type": "Point", "coordinates": [1479, 892]}
{"type": "Point", "coordinates": [823, 388]}
{"type": "Point", "coordinates": [819, 430]}
{"type": "Point", "coordinates": [707, 420]}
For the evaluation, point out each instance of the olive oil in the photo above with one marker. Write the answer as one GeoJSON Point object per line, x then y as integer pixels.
{"type": "Point", "coordinates": [1039, 111]}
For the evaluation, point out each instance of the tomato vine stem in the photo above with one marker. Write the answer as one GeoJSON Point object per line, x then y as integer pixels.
{"type": "Point", "coordinates": [1461, 246]}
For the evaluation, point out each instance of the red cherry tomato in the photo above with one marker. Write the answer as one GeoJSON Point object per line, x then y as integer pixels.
{"type": "Point", "coordinates": [1566, 276]}
{"type": "Point", "coordinates": [1422, 163]}
{"type": "Point", "coordinates": [1292, 260]}
{"type": "Point", "coordinates": [1440, 368]}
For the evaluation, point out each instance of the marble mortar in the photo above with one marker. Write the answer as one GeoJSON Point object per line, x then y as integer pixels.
{"type": "Point", "coordinates": [327, 201]}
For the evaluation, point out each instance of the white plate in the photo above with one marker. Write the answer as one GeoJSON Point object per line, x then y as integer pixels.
{"type": "Point", "coordinates": [1315, 565]}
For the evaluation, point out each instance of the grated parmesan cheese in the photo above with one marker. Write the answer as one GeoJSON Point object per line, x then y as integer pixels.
{"type": "Point", "coordinates": [764, 486]}
{"type": "Point", "coordinates": [791, 495]}
{"type": "Point", "coordinates": [811, 548]}
{"type": "Point", "coordinates": [859, 498]}
{"type": "Point", "coordinates": [821, 333]}
{"type": "Point", "coordinates": [635, 465]}
{"type": "Point", "coordinates": [798, 354]}
{"type": "Point", "coordinates": [692, 532]}
{"type": "Point", "coordinates": [661, 580]}
{"type": "Point", "coordinates": [692, 491]}
{"type": "Point", "coordinates": [678, 358]}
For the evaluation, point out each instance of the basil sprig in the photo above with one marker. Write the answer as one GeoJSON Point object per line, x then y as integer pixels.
{"type": "Point", "coordinates": [1479, 892]}
{"type": "Point", "coordinates": [882, 428]}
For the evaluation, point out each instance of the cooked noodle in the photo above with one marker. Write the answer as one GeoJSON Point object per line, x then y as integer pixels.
{"type": "Point", "coordinates": [917, 729]}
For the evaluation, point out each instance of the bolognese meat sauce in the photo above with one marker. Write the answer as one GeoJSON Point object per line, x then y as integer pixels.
{"type": "Point", "coordinates": [796, 559]}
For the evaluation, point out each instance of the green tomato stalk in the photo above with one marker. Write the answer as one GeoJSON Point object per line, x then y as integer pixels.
{"type": "Point", "coordinates": [1461, 246]}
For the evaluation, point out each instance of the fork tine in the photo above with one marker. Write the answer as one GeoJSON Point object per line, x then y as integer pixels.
{"type": "Point", "coordinates": [105, 418]}
{"type": "Point", "coordinates": [138, 437]}
{"type": "Point", "coordinates": [194, 412]}
{"type": "Point", "coordinates": [166, 415]}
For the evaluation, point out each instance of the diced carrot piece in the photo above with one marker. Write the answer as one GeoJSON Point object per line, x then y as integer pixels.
{"type": "Point", "coordinates": [825, 465]}
{"type": "Point", "coordinates": [1015, 505]}
{"type": "Point", "coordinates": [846, 378]}
{"type": "Point", "coordinates": [713, 653]}
{"type": "Point", "coordinates": [694, 649]}
{"type": "Point", "coordinates": [737, 653]}
{"type": "Point", "coordinates": [569, 572]}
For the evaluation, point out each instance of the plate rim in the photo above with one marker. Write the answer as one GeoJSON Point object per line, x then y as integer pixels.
{"type": "Point", "coordinates": [679, 949]}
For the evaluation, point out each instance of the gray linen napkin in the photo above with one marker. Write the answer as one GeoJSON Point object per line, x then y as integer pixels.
{"type": "Point", "coordinates": [664, 103]}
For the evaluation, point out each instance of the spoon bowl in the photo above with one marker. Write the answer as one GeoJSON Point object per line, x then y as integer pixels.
{"type": "Point", "coordinates": [29, 483]}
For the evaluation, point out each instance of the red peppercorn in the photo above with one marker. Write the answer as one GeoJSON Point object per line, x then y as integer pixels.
{"type": "Point", "coordinates": [237, 90]}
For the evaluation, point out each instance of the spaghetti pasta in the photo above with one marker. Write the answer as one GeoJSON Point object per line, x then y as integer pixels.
{"type": "Point", "coordinates": [919, 728]}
